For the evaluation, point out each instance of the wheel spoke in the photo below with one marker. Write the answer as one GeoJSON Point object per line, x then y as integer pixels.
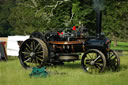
{"type": "Point", "coordinates": [26, 56]}
{"type": "Point", "coordinates": [98, 66]}
{"type": "Point", "coordinates": [34, 45]}
{"type": "Point", "coordinates": [93, 69]}
{"type": "Point", "coordinates": [39, 59]}
{"type": "Point", "coordinates": [94, 55]}
{"type": "Point", "coordinates": [90, 56]}
{"type": "Point", "coordinates": [39, 52]}
{"type": "Point", "coordinates": [40, 56]}
{"type": "Point", "coordinates": [28, 47]}
{"type": "Point", "coordinates": [27, 59]}
{"type": "Point", "coordinates": [37, 46]}
{"type": "Point", "coordinates": [111, 56]}
{"type": "Point", "coordinates": [88, 60]}
{"type": "Point", "coordinates": [33, 62]}
{"type": "Point", "coordinates": [25, 53]}
{"type": "Point", "coordinates": [97, 58]}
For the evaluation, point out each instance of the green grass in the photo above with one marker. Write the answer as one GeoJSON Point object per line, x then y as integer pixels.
{"type": "Point", "coordinates": [12, 73]}
{"type": "Point", "coordinates": [120, 46]}
{"type": "Point", "coordinates": [122, 43]}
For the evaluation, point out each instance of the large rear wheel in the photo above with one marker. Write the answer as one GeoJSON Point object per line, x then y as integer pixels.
{"type": "Point", "coordinates": [93, 61]}
{"type": "Point", "coordinates": [33, 53]}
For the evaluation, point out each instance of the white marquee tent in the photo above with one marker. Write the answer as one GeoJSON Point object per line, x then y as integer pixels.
{"type": "Point", "coordinates": [12, 44]}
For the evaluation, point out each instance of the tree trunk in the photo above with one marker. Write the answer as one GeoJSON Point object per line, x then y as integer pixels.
{"type": "Point", "coordinates": [115, 40]}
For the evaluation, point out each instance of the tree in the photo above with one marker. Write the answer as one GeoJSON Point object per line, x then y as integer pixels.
{"type": "Point", "coordinates": [27, 16]}
{"type": "Point", "coordinates": [115, 19]}
{"type": "Point", "coordinates": [33, 15]}
{"type": "Point", "coordinates": [5, 27]}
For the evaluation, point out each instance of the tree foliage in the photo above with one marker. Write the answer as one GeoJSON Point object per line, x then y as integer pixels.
{"type": "Point", "coordinates": [115, 19]}
{"type": "Point", "coordinates": [5, 27]}
{"type": "Point", "coordinates": [26, 16]}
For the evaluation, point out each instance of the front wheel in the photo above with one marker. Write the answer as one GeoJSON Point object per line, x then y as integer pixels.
{"type": "Point", "coordinates": [93, 61]}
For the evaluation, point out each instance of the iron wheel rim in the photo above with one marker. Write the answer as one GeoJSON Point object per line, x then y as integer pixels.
{"type": "Point", "coordinates": [32, 53]}
{"type": "Point", "coordinates": [113, 60]}
{"type": "Point", "coordinates": [93, 61]}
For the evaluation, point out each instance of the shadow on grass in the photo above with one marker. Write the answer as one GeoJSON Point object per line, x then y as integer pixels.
{"type": "Point", "coordinates": [69, 65]}
{"type": "Point", "coordinates": [123, 67]}
{"type": "Point", "coordinates": [78, 66]}
{"type": "Point", "coordinates": [11, 58]}
{"type": "Point", "coordinates": [72, 65]}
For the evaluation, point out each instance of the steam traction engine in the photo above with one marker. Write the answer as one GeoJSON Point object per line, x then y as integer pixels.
{"type": "Point", "coordinates": [55, 48]}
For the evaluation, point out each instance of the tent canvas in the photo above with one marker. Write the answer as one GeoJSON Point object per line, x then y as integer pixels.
{"type": "Point", "coordinates": [3, 55]}
{"type": "Point", "coordinates": [12, 44]}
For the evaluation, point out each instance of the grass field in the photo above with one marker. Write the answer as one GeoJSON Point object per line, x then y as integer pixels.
{"type": "Point", "coordinates": [120, 46]}
{"type": "Point", "coordinates": [12, 73]}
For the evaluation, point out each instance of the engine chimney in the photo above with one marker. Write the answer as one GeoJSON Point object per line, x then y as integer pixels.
{"type": "Point", "coordinates": [98, 23]}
